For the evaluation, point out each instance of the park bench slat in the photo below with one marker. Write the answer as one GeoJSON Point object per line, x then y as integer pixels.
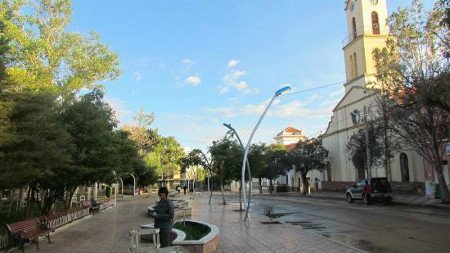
{"type": "Point", "coordinates": [26, 231]}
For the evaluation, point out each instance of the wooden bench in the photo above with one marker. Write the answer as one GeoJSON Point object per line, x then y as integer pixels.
{"type": "Point", "coordinates": [26, 231]}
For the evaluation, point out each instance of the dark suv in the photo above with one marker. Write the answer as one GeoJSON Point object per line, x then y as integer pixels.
{"type": "Point", "coordinates": [378, 189]}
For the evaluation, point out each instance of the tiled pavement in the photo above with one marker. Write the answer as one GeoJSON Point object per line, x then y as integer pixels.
{"type": "Point", "coordinates": [399, 199]}
{"type": "Point", "coordinates": [236, 236]}
{"type": "Point", "coordinates": [108, 230]}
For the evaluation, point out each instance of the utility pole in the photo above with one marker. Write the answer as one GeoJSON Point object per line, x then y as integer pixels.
{"type": "Point", "coordinates": [366, 126]}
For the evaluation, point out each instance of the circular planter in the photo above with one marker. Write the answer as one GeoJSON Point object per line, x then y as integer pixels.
{"type": "Point", "coordinates": [209, 243]}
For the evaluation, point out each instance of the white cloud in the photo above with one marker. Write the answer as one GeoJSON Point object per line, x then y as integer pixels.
{"type": "Point", "coordinates": [242, 85]}
{"type": "Point", "coordinates": [193, 80]}
{"type": "Point", "coordinates": [293, 109]}
{"type": "Point", "coordinates": [137, 76]}
{"type": "Point", "coordinates": [223, 89]}
{"type": "Point", "coordinates": [232, 63]}
{"type": "Point", "coordinates": [235, 74]}
{"type": "Point", "coordinates": [188, 61]}
{"type": "Point", "coordinates": [233, 80]}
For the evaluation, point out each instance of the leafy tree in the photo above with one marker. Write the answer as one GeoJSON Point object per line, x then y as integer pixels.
{"type": "Point", "coordinates": [170, 153]}
{"type": "Point", "coordinates": [44, 55]}
{"type": "Point", "coordinates": [33, 143]}
{"type": "Point", "coordinates": [275, 163]}
{"type": "Point", "coordinates": [414, 74]}
{"type": "Point", "coordinates": [90, 121]}
{"type": "Point", "coordinates": [357, 149]}
{"type": "Point", "coordinates": [257, 158]}
{"type": "Point", "coordinates": [146, 140]}
{"type": "Point", "coordinates": [227, 160]}
{"type": "Point", "coordinates": [197, 157]}
{"type": "Point", "coordinates": [308, 154]}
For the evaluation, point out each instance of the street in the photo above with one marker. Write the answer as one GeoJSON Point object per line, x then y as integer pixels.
{"type": "Point", "coordinates": [374, 228]}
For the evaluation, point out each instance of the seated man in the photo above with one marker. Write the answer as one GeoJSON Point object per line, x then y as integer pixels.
{"type": "Point", "coordinates": [164, 213]}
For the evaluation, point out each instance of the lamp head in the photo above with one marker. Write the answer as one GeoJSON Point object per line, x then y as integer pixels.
{"type": "Point", "coordinates": [282, 90]}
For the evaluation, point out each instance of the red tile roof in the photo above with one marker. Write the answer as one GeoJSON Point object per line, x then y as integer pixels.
{"type": "Point", "coordinates": [290, 129]}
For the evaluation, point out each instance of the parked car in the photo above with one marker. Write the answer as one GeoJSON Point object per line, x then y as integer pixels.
{"type": "Point", "coordinates": [377, 189]}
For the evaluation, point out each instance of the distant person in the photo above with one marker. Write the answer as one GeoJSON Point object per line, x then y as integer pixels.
{"type": "Point", "coordinates": [184, 189]}
{"type": "Point", "coordinates": [367, 188]}
{"type": "Point", "coordinates": [164, 213]}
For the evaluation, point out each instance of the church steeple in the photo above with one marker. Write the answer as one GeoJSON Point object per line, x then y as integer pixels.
{"type": "Point", "coordinates": [367, 30]}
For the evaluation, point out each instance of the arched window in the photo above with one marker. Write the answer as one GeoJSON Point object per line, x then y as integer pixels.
{"type": "Point", "coordinates": [352, 70]}
{"type": "Point", "coordinates": [375, 23]}
{"type": "Point", "coordinates": [355, 65]}
{"type": "Point", "coordinates": [404, 168]}
{"type": "Point", "coordinates": [354, 27]}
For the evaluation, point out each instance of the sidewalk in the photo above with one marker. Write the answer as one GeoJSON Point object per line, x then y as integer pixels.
{"type": "Point", "coordinates": [399, 199]}
{"type": "Point", "coordinates": [254, 236]}
{"type": "Point", "coordinates": [108, 231]}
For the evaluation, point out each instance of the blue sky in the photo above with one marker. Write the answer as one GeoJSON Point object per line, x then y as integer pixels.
{"type": "Point", "coordinates": [197, 64]}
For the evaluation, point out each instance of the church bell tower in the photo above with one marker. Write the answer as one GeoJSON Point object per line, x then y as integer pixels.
{"type": "Point", "coordinates": [367, 30]}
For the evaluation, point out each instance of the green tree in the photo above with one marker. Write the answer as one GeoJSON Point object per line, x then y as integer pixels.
{"type": "Point", "coordinates": [227, 160]}
{"type": "Point", "coordinates": [357, 146]}
{"type": "Point", "coordinates": [308, 154]}
{"type": "Point", "coordinates": [257, 158]}
{"type": "Point", "coordinates": [196, 157]}
{"type": "Point", "coordinates": [414, 75]}
{"type": "Point", "coordinates": [276, 163]}
{"type": "Point", "coordinates": [170, 153]}
{"type": "Point", "coordinates": [33, 143]}
{"type": "Point", "coordinates": [44, 55]}
{"type": "Point", "coordinates": [90, 121]}
{"type": "Point", "coordinates": [146, 140]}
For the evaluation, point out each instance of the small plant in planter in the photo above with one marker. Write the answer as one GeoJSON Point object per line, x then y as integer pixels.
{"type": "Point", "coordinates": [269, 211]}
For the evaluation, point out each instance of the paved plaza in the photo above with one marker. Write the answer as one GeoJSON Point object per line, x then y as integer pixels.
{"type": "Point", "coordinates": [107, 231]}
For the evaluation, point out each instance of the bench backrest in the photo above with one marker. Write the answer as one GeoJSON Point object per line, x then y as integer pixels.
{"type": "Point", "coordinates": [23, 225]}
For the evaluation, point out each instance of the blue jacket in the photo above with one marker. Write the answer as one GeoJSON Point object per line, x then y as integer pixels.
{"type": "Point", "coordinates": [165, 212]}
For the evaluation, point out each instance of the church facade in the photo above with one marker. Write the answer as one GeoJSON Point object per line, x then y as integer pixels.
{"type": "Point", "coordinates": [367, 30]}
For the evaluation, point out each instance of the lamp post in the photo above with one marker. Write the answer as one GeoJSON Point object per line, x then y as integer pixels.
{"type": "Point", "coordinates": [134, 184]}
{"type": "Point", "coordinates": [247, 147]}
{"type": "Point", "coordinates": [248, 167]}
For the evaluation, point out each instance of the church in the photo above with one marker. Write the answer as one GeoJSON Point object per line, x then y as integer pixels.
{"type": "Point", "coordinates": [367, 30]}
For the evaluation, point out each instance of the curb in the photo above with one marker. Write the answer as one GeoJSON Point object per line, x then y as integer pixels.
{"type": "Point", "coordinates": [394, 202]}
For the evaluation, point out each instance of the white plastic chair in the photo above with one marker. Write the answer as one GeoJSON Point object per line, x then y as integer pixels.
{"type": "Point", "coordinates": [135, 238]}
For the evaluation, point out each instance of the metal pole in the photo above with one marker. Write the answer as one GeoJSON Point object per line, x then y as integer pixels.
{"type": "Point", "coordinates": [121, 181]}
{"type": "Point", "coordinates": [366, 126]}
{"type": "Point", "coordinates": [248, 170]}
{"type": "Point", "coordinates": [247, 147]}
{"type": "Point", "coordinates": [134, 184]}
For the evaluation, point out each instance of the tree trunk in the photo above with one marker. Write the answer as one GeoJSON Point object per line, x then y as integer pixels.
{"type": "Point", "coordinates": [240, 197]}
{"type": "Point", "coordinates": [260, 185]}
{"type": "Point", "coordinates": [270, 186]}
{"type": "Point", "coordinates": [27, 208]}
{"type": "Point", "coordinates": [223, 194]}
{"type": "Point", "coordinates": [305, 183]}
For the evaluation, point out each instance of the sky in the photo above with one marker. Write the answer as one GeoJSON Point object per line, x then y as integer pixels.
{"type": "Point", "coordinates": [196, 64]}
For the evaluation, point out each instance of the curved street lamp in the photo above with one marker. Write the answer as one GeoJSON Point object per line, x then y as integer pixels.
{"type": "Point", "coordinates": [247, 147]}
{"type": "Point", "coordinates": [233, 132]}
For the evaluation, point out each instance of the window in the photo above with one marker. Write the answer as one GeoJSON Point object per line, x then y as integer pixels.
{"type": "Point", "coordinates": [375, 23]}
{"type": "Point", "coordinates": [404, 168]}
{"type": "Point", "coordinates": [354, 27]}
{"type": "Point", "coordinates": [352, 71]}
{"type": "Point", "coordinates": [355, 65]}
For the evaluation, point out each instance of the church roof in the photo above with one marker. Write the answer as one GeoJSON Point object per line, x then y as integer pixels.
{"type": "Point", "coordinates": [290, 129]}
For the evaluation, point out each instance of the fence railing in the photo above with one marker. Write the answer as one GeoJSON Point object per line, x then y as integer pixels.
{"type": "Point", "coordinates": [3, 242]}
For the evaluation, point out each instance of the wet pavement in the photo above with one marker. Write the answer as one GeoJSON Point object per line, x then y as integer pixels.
{"type": "Point", "coordinates": [108, 230]}
{"type": "Point", "coordinates": [304, 225]}
{"type": "Point", "coordinates": [374, 228]}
